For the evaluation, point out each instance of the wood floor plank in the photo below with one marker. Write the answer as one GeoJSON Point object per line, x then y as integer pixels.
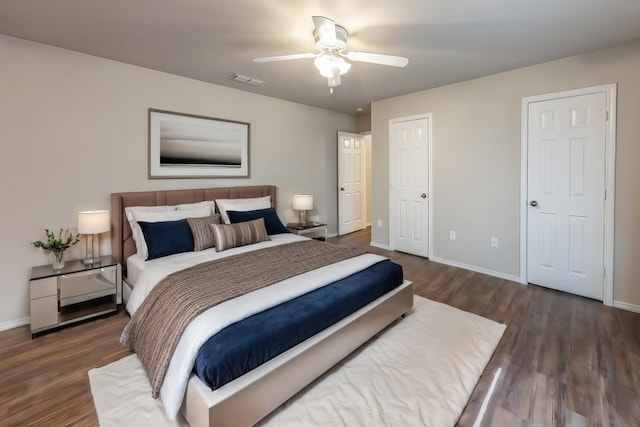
{"type": "Point", "coordinates": [501, 417]}
{"type": "Point", "coordinates": [44, 382]}
{"type": "Point", "coordinates": [565, 360]}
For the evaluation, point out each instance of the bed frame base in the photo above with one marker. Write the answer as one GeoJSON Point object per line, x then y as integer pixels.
{"type": "Point", "coordinates": [253, 396]}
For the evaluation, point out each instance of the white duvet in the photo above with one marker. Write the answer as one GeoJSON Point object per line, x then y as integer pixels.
{"type": "Point", "coordinates": [216, 318]}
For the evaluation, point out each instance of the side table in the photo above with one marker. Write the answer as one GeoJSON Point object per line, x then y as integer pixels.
{"type": "Point", "coordinates": [73, 293]}
{"type": "Point", "coordinates": [314, 230]}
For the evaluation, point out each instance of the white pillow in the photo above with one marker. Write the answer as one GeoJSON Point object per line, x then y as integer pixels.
{"type": "Point", "coordinates": [135, 230]}
{"type": "Point", "coordinates": [208, 203]}
{"type": "Point", "coordinates": [158, 216]}
{"type": "Point", "coordinates": [241, 205]}
{"type": "Point", "coordinates": [131, 209]}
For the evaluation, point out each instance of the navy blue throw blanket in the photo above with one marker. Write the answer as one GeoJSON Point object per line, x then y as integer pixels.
{"type": "Point", "coordinates": [247, 344]}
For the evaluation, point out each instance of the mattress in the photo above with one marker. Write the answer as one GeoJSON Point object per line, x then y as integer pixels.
{"type": "Point", "coordinates": [135, 266]}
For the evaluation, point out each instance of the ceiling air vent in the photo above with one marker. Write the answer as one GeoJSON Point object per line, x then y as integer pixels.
{"type": "Point", "coordinates": [246, 80]}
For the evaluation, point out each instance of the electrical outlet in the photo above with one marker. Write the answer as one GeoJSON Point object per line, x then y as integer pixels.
{"type": "Point", "coordinates": [494, 242]}
{"type": "Point", "coordinates": [452, 235]}
{"type": "Point", "coordinates": [379, 223]}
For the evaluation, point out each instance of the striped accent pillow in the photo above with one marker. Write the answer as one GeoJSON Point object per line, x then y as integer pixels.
{"type": "Point", "coordinates": [227, 236]}
{"type": "Point", "coordinates": [202, 232]}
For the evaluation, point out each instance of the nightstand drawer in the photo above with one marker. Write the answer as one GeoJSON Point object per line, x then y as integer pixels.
{"type": "Point", "coordinates": [87, 285]}
{"type": "Point", "coordinates": [43, 287]}
{"type": "Point", "coordinates": [44, 312]}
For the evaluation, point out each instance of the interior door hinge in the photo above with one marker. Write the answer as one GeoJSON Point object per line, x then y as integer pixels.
{"type": "Point", "coordinates": [604, 272]}
{"type": "Point", "coordinates": [606, 116]}
{"type": "Point", "coordinates": [605, 194]}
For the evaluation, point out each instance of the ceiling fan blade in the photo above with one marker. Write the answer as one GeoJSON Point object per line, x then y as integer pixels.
{"type": "Point", "coordinates": [285, 57]}
{"type": "Point", "coordinates": [376, 58]}
{"type": "Point", "coordinates": [326, 30]}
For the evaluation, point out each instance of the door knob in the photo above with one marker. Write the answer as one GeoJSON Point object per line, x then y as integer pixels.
{"type": "Point", "coordinates": [533, 203]}
{"type": "Point", "coordinates": [341, 188]}
{"type": "Point", "coordinates": [423, 195]}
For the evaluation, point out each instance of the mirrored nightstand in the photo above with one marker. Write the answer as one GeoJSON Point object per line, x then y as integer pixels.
{"type": "Point", "coordinates": [314, 230]}
{"type": "Point", "coordinates": [73, 293]}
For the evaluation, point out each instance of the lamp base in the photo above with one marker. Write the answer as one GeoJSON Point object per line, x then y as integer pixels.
{"type": "Point", "coordinates": [302, 218]}
{"type": "Point", "coordinates": [91, 258]}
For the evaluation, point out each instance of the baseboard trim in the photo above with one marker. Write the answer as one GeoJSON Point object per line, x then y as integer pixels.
{"type": "Point", "coordinates": [497, 274]}
{"type": "Point", "coordinates": [627, 306]}
{"type": "Point", "coordinates": [5, 326]}
{"type": "Point", "coordinates": [380, 245]}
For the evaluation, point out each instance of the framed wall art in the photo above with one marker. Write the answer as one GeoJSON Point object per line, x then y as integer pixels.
{"type": "Point", "coordinates": [189, 146]}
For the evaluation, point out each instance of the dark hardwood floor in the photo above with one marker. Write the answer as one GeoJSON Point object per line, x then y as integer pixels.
{"type": "Point", "coordinates": [566, 360]}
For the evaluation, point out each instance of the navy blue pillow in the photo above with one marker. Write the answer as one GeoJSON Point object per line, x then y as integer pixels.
{"type": "Point", "coordinates": [167, 237]}
{"type": "Point", "coordinates": [271, 221]}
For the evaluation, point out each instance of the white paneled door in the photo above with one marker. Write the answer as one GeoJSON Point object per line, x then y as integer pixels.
{"type": "Point", "coordinates": [409, 185]}
{"type": "Point", "coordinates": [351, 183]}
{"type": "Point", "coordinates": [566, 193]}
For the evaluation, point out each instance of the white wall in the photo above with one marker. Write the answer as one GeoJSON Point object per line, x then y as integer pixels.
{"type": "Point", "coordinates": [476, 160]}
{"type": "Point", "coordinates": [74, 129]}
{"type": "Point", "coordinates": [364, 123]}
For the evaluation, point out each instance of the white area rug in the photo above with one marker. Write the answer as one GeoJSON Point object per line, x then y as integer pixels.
{"type": "Point", "coordinates": [419, 372]}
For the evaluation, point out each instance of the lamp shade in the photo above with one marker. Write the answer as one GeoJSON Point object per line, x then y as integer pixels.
{"type": "Point", "coordinates": [93, 222]}
{"type": "Point", "coordinates": [303, 202]}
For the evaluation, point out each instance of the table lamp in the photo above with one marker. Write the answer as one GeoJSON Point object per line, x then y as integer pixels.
{"type": "Point", "coordinates": [92, 223]}
{"type": "Point", "coordinates": [303, 203]}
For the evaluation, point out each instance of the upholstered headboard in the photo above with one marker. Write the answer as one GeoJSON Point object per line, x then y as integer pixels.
{"type": "Point", "coordinates": [122, 244]}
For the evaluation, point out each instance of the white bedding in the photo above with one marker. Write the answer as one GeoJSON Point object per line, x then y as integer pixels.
{"type": "Point", "coordinates": [224, 314]}
{"type": "Point", "coordinates": [135, 265]}
{"type": "Point", "coordinates": [152, 271]}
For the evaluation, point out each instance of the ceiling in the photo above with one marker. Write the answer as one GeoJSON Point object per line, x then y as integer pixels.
{"type": "Point", "coordinates": [446, 41]}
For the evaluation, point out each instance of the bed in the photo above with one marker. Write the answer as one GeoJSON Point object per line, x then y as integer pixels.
{"type": "Point", "coordinates": [248, 398]}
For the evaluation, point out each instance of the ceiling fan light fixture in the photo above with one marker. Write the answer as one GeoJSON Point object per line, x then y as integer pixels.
{"type": "Point", "coordinates": [335, 79]}
{"type": "Point", "coordinates": [323, 64]}
{"type": "Point", "coordinates": [331, 41]}
{"type": "Point", "coordinates": [328, 65]}
{"type": "Point", "coordinates": [344, 65]}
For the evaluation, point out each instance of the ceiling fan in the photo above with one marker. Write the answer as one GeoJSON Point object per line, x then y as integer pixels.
{"type": "Point", "coordinates": [331, 41]}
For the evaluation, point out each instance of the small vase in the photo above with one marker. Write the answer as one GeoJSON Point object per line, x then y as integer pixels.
{"type": "Point", "coordinates": [57, 260]}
